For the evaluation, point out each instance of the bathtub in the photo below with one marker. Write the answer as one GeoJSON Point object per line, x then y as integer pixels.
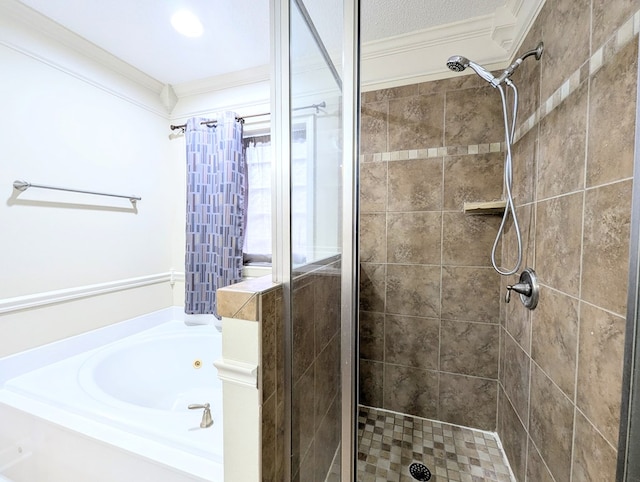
{"type": "Point", "coordinates": [131, 392]}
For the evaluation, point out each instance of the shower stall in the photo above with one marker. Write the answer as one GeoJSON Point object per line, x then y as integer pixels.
{"type": "Point", "coordinates": [424, 315]}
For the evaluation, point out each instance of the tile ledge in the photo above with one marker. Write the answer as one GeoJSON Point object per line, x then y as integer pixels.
{"type": "Point", "coordinates": [254, 285]}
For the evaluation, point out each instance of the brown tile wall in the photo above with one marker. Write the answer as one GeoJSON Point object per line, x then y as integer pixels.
{"type": "Point", "coordinates": [272, 384]}
{"type": "Point", "coordinates": [316, 372]}
{"type": "Point", "coordinates": [561, 364]}
{"type": "Point", "coordinates": [430, 313]}
{"type": "Point", "coordinates": [315, 415]}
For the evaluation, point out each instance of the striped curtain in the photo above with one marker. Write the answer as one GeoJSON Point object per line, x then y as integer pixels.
{"type": "Point", "coordinates": [216, 192]}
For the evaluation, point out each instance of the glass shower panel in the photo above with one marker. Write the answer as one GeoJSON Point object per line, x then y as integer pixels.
{"type": "Point", "coordinates": [315, 148]}
{"type": "Point", "coordinates": [316, 193]}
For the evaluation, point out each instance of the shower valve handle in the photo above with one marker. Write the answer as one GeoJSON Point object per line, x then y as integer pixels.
{"type": "Point", "coordinates": [528, 288]}
{"type": "Point", "coordinates": [522, 288]}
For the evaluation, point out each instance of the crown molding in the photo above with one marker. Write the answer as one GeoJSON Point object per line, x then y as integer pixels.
{"type": "Point", "coordinates": [527, 13]}
{"type": "Point", "coordinates": [504, 25]}
{"type": "Point", "coordinates": [56, 32]}
{"type": "Point", "coordinates": [413, 57]}
{"type": "Point", "coordinates": [466, 30]}
{"type": "Point", "coordinates": [490, 40]}
{"type": "Point", "coordinates": [515, 6]}
{"type": "Point", "coordinates": [420, 56]}
{"type": "Point", "coordinates": [33, 35]}
{"type": "Point", "coordinates": [221, 82]}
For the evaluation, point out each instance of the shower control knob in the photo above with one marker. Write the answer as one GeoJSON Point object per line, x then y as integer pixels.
{"type": "Point", "coordinates": [527, 287]}
{"type": "Point", "coordinates": [522, 288]}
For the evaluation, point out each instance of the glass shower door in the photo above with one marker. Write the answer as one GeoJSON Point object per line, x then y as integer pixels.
{"type": "Point", "coordinates": [316, 248]}
{"type": "Point", "coordinates": [315, 241]}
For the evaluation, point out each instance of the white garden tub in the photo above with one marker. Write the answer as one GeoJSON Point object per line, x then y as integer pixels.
{"type": "Point", "coordinates": [132, 392]}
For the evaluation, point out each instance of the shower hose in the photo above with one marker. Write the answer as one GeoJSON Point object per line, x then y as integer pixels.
{"type": "Point", "coordinates": [508, 180]}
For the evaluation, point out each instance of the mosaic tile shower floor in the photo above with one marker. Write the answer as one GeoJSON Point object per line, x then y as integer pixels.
{"type": "Point", "coordinates": [388, 443]}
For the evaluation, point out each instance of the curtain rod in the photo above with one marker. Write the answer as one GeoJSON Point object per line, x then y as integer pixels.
{"type": "Point", "coordinates": [317, 107]}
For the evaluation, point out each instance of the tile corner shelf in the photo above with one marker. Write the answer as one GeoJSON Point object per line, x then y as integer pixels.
{"type": "Point", "coordinates": [484, 207]}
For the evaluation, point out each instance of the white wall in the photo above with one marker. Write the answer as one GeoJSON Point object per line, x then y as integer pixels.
{"type": "Point", "coordinates": [67, 121]}
{"type": "Point", "coordinates": [74, 116]}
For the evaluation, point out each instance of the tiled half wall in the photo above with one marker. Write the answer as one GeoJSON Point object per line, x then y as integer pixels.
{"type": "Point", "coordinates": [315, 417]}
{"type": "Point", "coordinates": [316, 399]}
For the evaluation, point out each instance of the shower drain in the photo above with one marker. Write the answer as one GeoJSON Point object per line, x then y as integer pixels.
{"type": "Point", "coordinates": [419, 471]}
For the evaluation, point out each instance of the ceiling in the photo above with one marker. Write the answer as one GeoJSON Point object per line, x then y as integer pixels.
{"type": "Point", "coordinates": [236, 32]}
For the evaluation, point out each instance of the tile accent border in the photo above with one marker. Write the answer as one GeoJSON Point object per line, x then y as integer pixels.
{"type": "Point", "coordinates": [625, 34]}
{"type": "Point", "coordinates": [432, 152]}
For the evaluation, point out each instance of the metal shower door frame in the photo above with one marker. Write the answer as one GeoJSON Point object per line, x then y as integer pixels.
{"type": "Point", "coordinates": [628, 469]}
{"type": "Point", "coordinates": [280, 11]}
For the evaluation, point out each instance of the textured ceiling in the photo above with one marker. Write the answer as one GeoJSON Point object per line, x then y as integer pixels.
{"type": "Point", "coordinates": [388, 18]}
{"type": "Point", "coordinates": [236, 31]}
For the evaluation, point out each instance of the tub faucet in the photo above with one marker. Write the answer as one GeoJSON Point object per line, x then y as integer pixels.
{"type": "Point", "coordinates": [207, 421]}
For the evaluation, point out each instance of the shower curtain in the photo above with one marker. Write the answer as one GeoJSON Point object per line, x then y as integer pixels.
{"type": "Point", "coordinates": [216, 193]}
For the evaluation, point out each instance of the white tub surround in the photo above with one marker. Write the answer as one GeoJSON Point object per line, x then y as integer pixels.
{"type": "Point", "coordinates": [238, 370]}
{"type": "Point", "coordinates": [239, 373]}
{"type": "Point", "coordinates": [124, 389]}
{"type": "Point", "coordinates": [53, 453]}
{"type": "Point", "coordinates": [247, 369]}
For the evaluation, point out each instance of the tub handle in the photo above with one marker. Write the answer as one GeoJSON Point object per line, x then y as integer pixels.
{"type": "Point", "coordinates": [207, 421]}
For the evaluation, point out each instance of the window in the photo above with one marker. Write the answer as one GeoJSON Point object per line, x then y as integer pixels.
{"type": "Point", "coordinates": [314, 193]}
{"type": "Point", "coordinates": [257, 240]}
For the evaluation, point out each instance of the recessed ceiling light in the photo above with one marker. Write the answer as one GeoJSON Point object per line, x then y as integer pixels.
{"type": "Point", "coordinates": [187, 23]}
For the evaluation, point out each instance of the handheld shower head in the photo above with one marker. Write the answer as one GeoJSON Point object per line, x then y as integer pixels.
{"type": "Point", "coordinates": [458, 63]}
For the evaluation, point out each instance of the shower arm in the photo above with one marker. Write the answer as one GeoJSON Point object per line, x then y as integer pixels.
{"type": "Point", "coordinates": [504, 77]}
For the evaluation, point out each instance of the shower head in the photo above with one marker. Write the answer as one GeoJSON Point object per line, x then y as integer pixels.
{"type": "Point", "coordinates": [458, 63]}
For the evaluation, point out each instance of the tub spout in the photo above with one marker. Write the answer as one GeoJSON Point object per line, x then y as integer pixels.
{"type": "Point", "coordinates": [207, 421]}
